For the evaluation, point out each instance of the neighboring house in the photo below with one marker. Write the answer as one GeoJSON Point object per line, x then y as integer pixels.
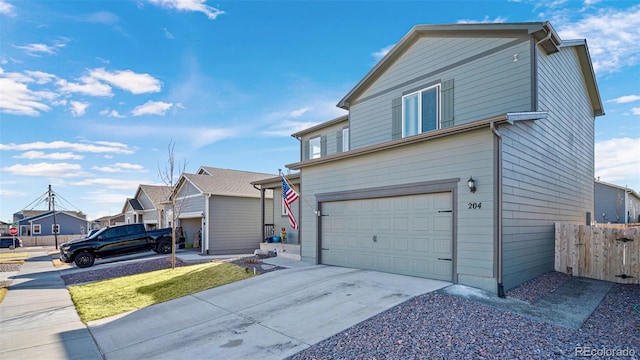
{"type": "Point", "coordinates": [110, 220]}
{"type": "Point", "coordinates": [616, 204]}
{"type": "Point", "coordinates": [278, 218]}
{"type": "Point", "coordinates": [43, 224]}
{"type": "Point", "coordinates": [147, 206]}
{"type": "Point", "coordinates": [324, 139]}
{"type": "Point", "coordinates": [4, 228]}
{"type": "Point", "coordinates": [467, 143]}
{"type": "Point", "coordinates": [23, 214]}
{"type": "Point", "coordinates": [219, 210]}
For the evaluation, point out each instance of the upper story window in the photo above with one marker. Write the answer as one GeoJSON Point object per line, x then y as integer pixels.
{"type": "Point", "coordinates": [315, 148]}
{"type": "Point", "coordinates": [345, 139]}
{"type": "Point", "coordinates": [421, 111]}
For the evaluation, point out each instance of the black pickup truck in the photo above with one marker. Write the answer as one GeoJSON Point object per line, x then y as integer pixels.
{"type": "Point", "coordinates": [115, 241]}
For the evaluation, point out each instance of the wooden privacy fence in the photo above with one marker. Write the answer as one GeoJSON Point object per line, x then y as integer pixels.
{"type": "Point", "coordinates": [47, 240]}
{"type": "Point", "coordinates": [610, 254]}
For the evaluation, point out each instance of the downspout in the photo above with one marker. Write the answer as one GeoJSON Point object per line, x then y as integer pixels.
{"type": "Point", "coordinates": [205, 227]}
{"type": "Point", "coordinates": [495, 131]}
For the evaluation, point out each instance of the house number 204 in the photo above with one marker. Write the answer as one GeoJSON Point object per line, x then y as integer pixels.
{"type": "Point", "coordinates": [475, 206]}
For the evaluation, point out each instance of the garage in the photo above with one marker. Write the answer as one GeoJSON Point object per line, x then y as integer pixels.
{"type": "Point", "coordinates": [408, 235]}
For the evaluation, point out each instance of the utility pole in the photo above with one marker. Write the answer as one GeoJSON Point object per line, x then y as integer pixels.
{"type": "Point", "coordinates": [52, 206]}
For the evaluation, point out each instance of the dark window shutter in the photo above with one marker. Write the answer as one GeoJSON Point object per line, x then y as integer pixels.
{"type": "Point", "coordinates": [305, 150]}
{"type": "Point", "coordinates": [396, 118]}
{"type": "Point", "coordinates": [339, 141]}
{"type": "Point", "coordinates": [323, 145]}
{"type": "Point", "coordinates": [447, 104]}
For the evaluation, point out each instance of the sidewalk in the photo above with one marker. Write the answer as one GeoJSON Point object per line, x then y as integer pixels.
{"type": "Point", "coordinates": [38, 319]}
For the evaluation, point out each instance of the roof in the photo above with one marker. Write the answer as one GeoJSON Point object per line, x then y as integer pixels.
{"type": "Point", "coordinates": [275, 182]}
{"type": "Point", "coordinates": [225, 182]}
{"type": "Point", "coordinates": [157, 193]}
{"type": "Point", "coordinates": [542, 32]}
{"type": "Point", "coordinates": [50, 213]}
{"type": "Point", "coordinates": [325, 124]}
{"type": "Point", "coordinates": [623, 188]}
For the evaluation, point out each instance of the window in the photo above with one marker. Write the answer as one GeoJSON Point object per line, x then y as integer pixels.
{"type": "Point", "coordinates": [345, 139]}
{"type": "Point", "coordinates": [284, 208]}
{"type": "Point", "coordinates": [421, 111]}
{"type": "Point", "coordinates": [55, 228]}
{"type": "Point", "coordinates": [315, 148]}
{"type": "Point", "coordinates": [37, 229]}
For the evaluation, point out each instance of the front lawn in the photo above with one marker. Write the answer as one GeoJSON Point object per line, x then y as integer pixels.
{"type": "Point", "coordinates": [115, 296]}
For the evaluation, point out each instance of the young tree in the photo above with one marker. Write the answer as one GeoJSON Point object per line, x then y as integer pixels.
{"type": "Point", "coordinates": [169, 176]}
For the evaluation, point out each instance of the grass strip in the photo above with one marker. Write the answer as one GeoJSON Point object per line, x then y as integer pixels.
{"type": "Point", "coordinates": [115, 296]}
{"type": "Point", "coordinates": [18, 255]}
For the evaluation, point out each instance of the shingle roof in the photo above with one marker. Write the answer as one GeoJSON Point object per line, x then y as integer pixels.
{"type": "Point", "coordinates": [157, 193]}
{"type": "Point", "coordinates": [227, 182]}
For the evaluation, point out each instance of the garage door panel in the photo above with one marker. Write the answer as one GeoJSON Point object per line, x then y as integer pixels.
{"type": "Point", "coordinates": [411, 234]}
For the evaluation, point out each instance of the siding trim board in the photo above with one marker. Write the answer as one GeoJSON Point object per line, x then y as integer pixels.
{"type": "Point", "coordinates": [508, 118]}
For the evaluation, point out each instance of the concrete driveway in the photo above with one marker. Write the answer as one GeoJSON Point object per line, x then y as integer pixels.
{"type": "Point", "coordinates": [270, 316]}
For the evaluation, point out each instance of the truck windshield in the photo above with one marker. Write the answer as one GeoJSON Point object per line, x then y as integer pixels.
{"type": "Point", "coordinates": [97, 233]}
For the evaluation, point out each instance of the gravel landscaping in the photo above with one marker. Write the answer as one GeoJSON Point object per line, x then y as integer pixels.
{"type": "Point", "coordinates": [442, 326]}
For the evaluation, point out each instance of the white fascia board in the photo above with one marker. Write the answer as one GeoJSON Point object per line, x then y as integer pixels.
{"type": "Point", "coordinates": [529, 115]}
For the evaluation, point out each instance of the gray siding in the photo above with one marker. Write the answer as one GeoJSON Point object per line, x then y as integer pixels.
{"type": "Point", "coordinates": [548, 169]}
{"type": "Point", "coordinates": [150, 212]}
{"type": "Point", "coordinates": [280, 221]}
{"type": "Point", "coordinates": [458, 156]}
{"type": "Point", "coordinates": [487, 82]}
{"type": "Point", "coordinates": [234, 225]}
{"type": "Point", "coordinates": [331, 139]}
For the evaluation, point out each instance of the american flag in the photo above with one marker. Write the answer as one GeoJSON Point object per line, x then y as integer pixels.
{"type": "Point", "coordinates": [288, 197]}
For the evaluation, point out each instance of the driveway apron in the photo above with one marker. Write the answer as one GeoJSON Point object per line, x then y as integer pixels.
{"type": "Point", "coordinates": [270, 316]}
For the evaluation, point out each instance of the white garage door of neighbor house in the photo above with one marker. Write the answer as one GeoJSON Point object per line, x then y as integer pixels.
{"type": "Point", "coordinates": [409, 235]}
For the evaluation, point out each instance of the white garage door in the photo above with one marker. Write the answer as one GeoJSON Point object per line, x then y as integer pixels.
{"type": "Point", "coordinates": [409, 235]}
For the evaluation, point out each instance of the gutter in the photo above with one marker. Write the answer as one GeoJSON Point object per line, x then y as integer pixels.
{"type": "Point", "coordinates": [500, 250]}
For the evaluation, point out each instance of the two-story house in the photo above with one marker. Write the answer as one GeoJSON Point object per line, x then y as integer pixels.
{"type": "Point", "coordinates": [147, 206]}
{"type": "Point", "coordinates": [466, 143]}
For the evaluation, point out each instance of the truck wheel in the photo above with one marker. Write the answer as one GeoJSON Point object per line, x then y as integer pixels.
{"type": "Point", "coordinates": [164, 246]}
{"type": "Point", "coordinates": [84, 259]}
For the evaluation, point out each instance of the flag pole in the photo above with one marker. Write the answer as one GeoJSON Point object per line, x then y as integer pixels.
{"type": "Point", "coordinates": [300, 194]}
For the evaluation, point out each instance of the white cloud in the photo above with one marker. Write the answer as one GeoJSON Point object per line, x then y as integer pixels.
{"type": "Point", "coordinates": [101, 17]}
{"type": "Point", "coordinates": [16, 98]}
{"type": "Point", "coordinates": [299, 112]}
{"type": "Point", "coordinates": [485, 20]}
{"type": "Point", "coordinates": [6, 8]}
{"type": "Point", "coordinates": [97, 147]}
{"type": "Point", "coordinates": [635, 111]}
{"type": "Point", "coordinates": [382, 52]}
{"type": "Point", "coordinates": [120, 167]}
{"type": "Point", "coordinates": [288, 127]}
{"type": "Point", "coordinates": [189, 5]}
{"type": "Point", "coordinates": [38, 49]}
{"type": "Point", "coordinates": [617, 161]}
{"type": "Point", "coordinates": [128, 80]}
{"type": "Point", "coordinates": [167, 34]}
{"type": "Point", "coordinates": [40, 77]}
{"type": "Point", "coordinates": [78, 108]}
{"type": "Point", "coordinates": [89, 86]}
{"type": "Point", "coordinates": [613, 37]}
{"type": "Point", "coordinates": [52, 156]}
{"type": "Point", "coordinates": [111, 113]}
{"type": "Point", "coordinates": [152, 108]}
{"type": "Point", "coordinates": [45, 169]}
{"type": "Point", "coordinates": [625, 99]}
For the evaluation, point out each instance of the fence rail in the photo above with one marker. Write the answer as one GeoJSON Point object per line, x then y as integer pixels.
{"type": "Point", "coordinates": [603, 253]}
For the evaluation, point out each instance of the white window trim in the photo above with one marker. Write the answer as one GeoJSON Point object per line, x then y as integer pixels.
{"type": "Point", "coordinates": [438, 112]}
{"type": "Point", "coordinates": [345, 139]}
{"type": "Point", "coordinates": [53, 226]}
{"type": "Point", "coordinates": [38, 227]}
{"type": "Point", "coordinates": [284, 211]}
{"type": "Point", "coordinates": [311, 140]}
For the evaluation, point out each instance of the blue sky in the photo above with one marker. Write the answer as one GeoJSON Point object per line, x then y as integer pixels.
{"type": "Point", "coordinates": [93, 92]}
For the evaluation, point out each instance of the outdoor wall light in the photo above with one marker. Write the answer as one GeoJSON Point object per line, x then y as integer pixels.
{"type": "Point", "coordinates": [471, 184]}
